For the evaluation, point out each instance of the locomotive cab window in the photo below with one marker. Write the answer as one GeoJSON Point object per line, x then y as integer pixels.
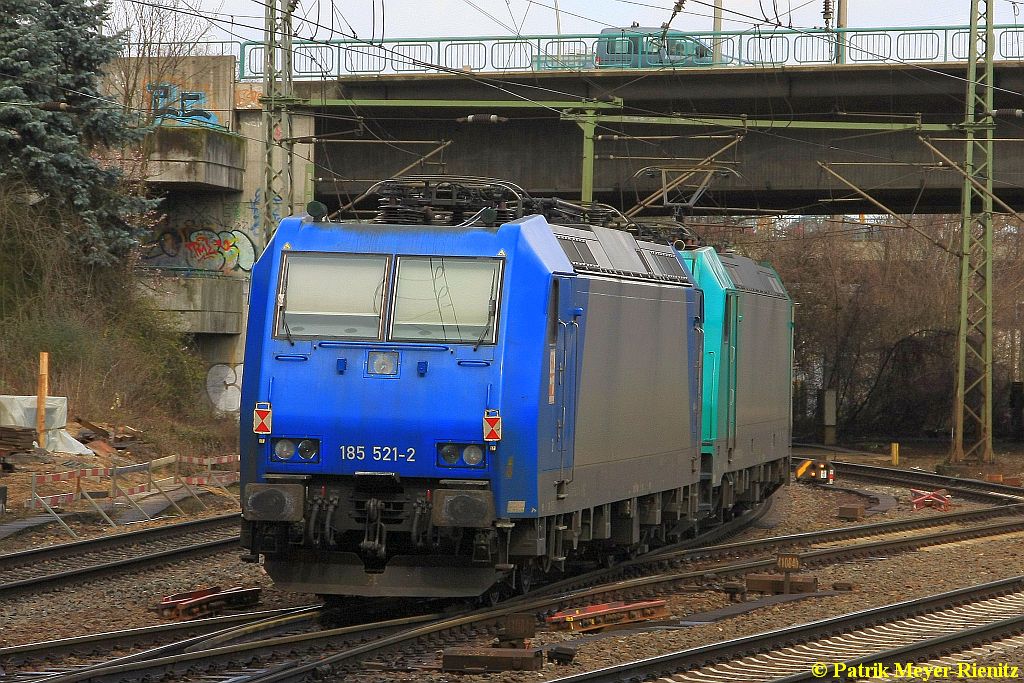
{"type": "Point", "coordinates": [446, 298]}
{"type": "Point", "coordinates": [338, 296]}
{"type": "Point", "coordinates": [618, 46]}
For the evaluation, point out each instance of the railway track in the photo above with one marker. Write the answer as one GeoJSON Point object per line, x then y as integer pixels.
{"type": "Point", "coordinates": [664, 560]}
{"type": "Point", "coordinates": [14, 657]}
{"type": "Point", "coordinates": [827, 649]}
{"type": "Point", "coordinates": [42, 568]}
{"type": "Point", "coordinates": [973, 489]}
{"type": "Point", "coordinates": [328, 654]}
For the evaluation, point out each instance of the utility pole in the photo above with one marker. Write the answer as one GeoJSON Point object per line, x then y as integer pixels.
{"type": "Point", "coordinates": [278, 96]}
{"type": "Point", "coordinates": [716, 28]}
{"type": "Point", "coordinates": [841, 19]}
{"type": "Point", "coordinates": [972, 417]}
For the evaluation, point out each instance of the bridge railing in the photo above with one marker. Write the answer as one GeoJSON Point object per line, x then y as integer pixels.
{"type": "Point", "coordinates": [171, 51]}
{"type": "Point", "coordinates": [750, 48]}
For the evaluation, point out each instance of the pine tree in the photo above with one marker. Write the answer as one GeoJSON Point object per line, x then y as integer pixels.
{"type": "Point", "coordinates": [52, 51]}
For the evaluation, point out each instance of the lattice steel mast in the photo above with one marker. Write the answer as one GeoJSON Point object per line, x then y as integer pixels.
{"type": "Point", "coordinates": [972, 437]}
{"type": "Point", "coordinates": [278, 96]}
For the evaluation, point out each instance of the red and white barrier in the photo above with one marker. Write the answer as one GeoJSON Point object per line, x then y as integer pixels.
{"type": "Point", "coordinates": [55, 477]}
{"type": "Point", "coordinates": [208, 461]}
{"type": "Point", "coordinates": [133, 490]}
{"type": "Point", "coordinates": [212, 479]}
{"type": "Point", "coordinates": [123, 487]}
{"type": "Point", "coordinates": [38, 502]}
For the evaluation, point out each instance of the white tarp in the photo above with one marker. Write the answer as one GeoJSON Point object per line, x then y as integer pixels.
{"type": "Point", "coordinates": [20, 411]}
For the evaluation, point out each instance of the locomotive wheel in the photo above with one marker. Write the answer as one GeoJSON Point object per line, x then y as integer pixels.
{"type": "Point", "coordinates": [491, 597]}
{"type": "Point", "coordinates": [524, 579]}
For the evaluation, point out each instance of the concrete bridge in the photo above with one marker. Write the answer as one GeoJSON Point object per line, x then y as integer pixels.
{"type": "Point", "coordinates": [761, 134]}
{"type": "Point", "coordinates": [789, 139]}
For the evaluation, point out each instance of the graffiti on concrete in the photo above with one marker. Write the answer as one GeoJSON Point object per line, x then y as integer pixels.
{"type": "Point", "coordinates": [224, 387]}
{"type": "Point", "coordinates": [256, 208]}
{"type": "Point", "coordinates": [167, 101]}
{"type": "Point", "coordinates": [224, 251]}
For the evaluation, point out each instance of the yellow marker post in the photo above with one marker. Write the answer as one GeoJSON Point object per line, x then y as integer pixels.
{"type": "Point", "coordinates": [42, 389]}
{"type": "Point", "coordinates": [894, 450]}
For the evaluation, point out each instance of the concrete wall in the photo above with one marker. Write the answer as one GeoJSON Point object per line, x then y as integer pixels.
{"type": "Point", "coordinates": [204, 305]}
{"type": "Point", "coordinates": [190, 157]}
{"type": "Point", "coordinates": [157, 84]}
{"type": "Point", "coordinates": [211, 308]}
{"type": "Point", "coordinates": [249, 116]}
{"type": "Point", "coordinates": [199, 259]}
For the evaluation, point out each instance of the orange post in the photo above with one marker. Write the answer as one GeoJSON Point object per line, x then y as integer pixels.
{"type": "Point", "coordinates": [42, 389]}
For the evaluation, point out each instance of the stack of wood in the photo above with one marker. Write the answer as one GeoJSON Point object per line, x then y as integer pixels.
{"type": "Point", "coordinates": [16, 438]}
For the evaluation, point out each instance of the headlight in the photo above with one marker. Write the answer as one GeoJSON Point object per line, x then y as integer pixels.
{"type": "Point", "coordinates": [450, 453]}
{"type": "Point", "coordinates": [382, 363]}
{"type": "Point", "coordinates": [473, 454]}
{"type": "Point", "coordinates": [308, 448]}
{"type": "Point", "coordinates": [284, 449]}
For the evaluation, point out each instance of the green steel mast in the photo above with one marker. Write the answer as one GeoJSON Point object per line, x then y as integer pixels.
{"type": "Point", "coordinates": [972, 416]}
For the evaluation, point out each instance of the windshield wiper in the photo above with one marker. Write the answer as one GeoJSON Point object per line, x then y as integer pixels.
{"type": "Point", "coordinates": [491, 310]}
{"type": "Point", "coordinates": [281, 308]}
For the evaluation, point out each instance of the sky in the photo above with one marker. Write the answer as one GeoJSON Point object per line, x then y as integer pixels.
{"type": "Point", "coordinates": [373, 19]}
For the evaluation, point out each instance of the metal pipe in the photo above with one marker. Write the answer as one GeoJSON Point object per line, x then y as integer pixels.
{"type": "Point", "coordinates": [978, 186]}
{"type": "Point", "coordinates": [312, 139]}
{"type": "Point", "coordinates": [630, 157]}
{"type": "Point", "coordinates": [653, 197]}
{"type": "Point", "coordinates": [663, 137]}
{"type": "Point", "coordinates": [902, 221]}
{"type": "Point", "coordinates": [589, 125]}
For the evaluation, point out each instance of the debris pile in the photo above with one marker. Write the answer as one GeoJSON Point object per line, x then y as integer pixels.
{"type": "Point", "coordinates": [15, 439]}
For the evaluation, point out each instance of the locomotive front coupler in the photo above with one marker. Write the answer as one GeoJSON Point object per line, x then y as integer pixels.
{"type": "Point", "coordinates": [421, 525]}
{"type": "Point", "coordinates": [375, 538]}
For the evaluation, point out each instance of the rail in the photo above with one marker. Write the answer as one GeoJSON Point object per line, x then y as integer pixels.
{"type": "Point", "coordinates": [299, 657]}
{"type": "Point", "coordinates": [38, 568]}
{"type": "Point", "coordinates": [899, 622]}
{"type": "Point", "coordinates": [763, 47]}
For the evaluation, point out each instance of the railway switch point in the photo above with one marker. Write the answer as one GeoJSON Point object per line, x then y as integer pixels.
{"type": "Point", "coordinates": [938, 499]}
{"type": "Point", "coordinates": [207, 602]}
{"type": "Point", "coordinates": [597, 617]}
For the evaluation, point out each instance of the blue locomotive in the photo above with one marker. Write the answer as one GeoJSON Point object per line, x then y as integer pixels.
{"type": "Point", "coordinates": [463, 394]}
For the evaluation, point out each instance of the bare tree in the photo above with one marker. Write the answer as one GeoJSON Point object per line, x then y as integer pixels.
{"type": "Point", "coordinates": [160, 38]}
{"type": "Point", "coordinates": [876, 320]}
